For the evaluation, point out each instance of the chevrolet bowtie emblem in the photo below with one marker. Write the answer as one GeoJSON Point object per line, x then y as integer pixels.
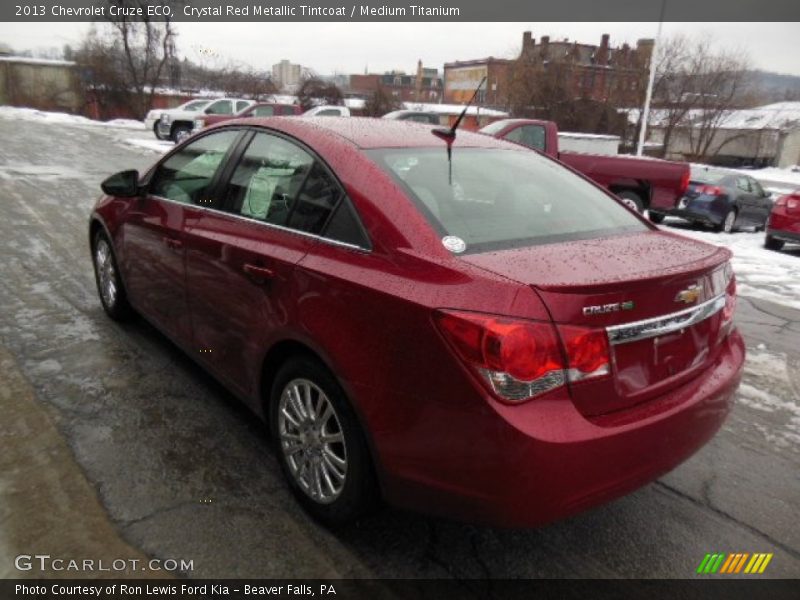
{"type": "Point", "coordinates": [689, 295]}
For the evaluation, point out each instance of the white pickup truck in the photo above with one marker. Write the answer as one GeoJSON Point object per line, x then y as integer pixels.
{"type": "Point", "coordinates": [176, 123]}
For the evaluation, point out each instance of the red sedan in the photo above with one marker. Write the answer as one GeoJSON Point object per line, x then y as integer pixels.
{"type": "Point", "coordinates": [783, 225]}
{"type": "Point", "coordinates": [478, 333]}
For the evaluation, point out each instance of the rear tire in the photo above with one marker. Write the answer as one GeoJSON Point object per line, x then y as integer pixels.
{"type": "Point", "coordinates": [655, 217]}
{"type": "Point", "coordinates": [319, 443]}
{"type": "Point", "coordinates": [728, 224]}
{"type": "Point", "coordinates": [109, 283]}
{"type": "Point", "coordinates": [770, 243]}
{"type": "Point", "coordinates": [632, 200]}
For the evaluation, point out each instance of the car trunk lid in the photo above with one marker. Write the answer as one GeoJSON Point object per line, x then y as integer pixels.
{"type": "Point", "coordinates": [656, 294]}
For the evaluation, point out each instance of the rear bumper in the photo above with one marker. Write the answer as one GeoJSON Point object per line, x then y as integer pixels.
{"type": "Point", "coordinates": [531, 464]}
{"type": "Point", "coordinates": [708, 217]}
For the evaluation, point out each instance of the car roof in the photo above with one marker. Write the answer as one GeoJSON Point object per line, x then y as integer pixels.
{"type": "Point", "coordinates": [365, 132]}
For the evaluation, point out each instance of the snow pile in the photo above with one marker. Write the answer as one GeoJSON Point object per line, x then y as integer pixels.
{"type": "Point", "coordinates": [772, 179]}
{"type": "Point", "coordinates": [760, 273]}
{"type": "Point", "coordinates": [31, 114]}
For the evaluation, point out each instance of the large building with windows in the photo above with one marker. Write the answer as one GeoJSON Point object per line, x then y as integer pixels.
{"type": "Point", "coordinates": [287, 75]}
{"type": "Point", "coordinates": [423, 86]}
{"type": "Point", "coordinates": [594, 72]}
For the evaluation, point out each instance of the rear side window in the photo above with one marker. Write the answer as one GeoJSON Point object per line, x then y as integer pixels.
{"type": "Point", "coordinates": [263, 111]}
{"type": "Point", "coordinates": [501, 198]}
{"type": "Point", "coordinates": [241, 105]}
{"type": "Point", "coordinates": [280, 183]}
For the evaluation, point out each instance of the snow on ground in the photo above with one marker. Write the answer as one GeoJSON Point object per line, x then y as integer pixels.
{"type": "Point", "coordinates": [31, 114]}
{"type": "Point", "coordinates": [772, 385]}
{"type": "Point", "coordinates": [160, 146]}
{"type": "Point", "coordinates": [760, 273]}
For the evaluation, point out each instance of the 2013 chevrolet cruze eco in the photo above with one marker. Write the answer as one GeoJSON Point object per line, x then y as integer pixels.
{"type": "Point", "coordinates": [482, 334]}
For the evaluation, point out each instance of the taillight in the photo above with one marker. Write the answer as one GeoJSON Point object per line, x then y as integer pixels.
{"type": "Point", "coordinates": [519, 360]}
{"type": "Point", "coordinates": [685, 181]}
{"type": "Point", "coordinates": [710, 190]}
{"type": "Point", "coordinates": [587, 352]}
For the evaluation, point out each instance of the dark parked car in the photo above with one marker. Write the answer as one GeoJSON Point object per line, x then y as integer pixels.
{"type": "Point", "coordinates": [724, 200]}
{"type": "Point", "coordinates": [479, 333]}
{"type": "Point", "coordinates": [414, 115]}
{"type": "Point", "coordinates": [784, 222]}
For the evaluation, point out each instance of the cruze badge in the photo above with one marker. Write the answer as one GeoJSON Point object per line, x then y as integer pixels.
{"type": "Point", "coordinates": [602, 309]}
{"type": "Point", "coordinates": [689, 295]}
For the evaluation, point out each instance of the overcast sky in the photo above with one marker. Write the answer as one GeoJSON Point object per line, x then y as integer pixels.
{"type": "Point", "coordinates": [352, 47]}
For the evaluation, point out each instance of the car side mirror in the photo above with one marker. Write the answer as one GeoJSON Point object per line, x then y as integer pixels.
{"type": "Point", "coordinates": [124, 184]}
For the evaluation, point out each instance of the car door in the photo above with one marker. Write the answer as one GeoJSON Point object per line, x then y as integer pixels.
{"type": "Point", "coordinates": [220, 107]}
{"type": "Point", "coordinates": [154, 230]}
{"type": "Point", "coordinates": [532, 136]}
{"type": "Point", "coordinates": [241, 260]}
{"type": "Point", "coordinates": [762, 201]}
{"type": "Point", "coordinates": [748, 211]}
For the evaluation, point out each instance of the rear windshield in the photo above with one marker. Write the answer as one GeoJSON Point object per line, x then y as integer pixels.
{"type": "Point", "coordinates": [705, 175]}
{"type": "Point", "coordinates": [503, 198]}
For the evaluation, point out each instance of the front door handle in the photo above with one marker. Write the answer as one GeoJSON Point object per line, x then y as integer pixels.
{"type": "Point", "coordinates": [172, 243]}
{"type": "Point", "coordinates": [257, 271]}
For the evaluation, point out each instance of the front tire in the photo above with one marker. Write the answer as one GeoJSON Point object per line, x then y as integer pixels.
{"type": "Point", "coordinates": [770, 243]}
{"type": "Point", "coordinates": [319, 443]}
{"type": "Point", "coordinates": [109, 283]}
{"type": "Point", "coordinates": [156, 132]}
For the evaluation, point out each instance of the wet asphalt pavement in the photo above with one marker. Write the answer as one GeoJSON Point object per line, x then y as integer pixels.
{"type": "Point", "coordinates": [163, 462]}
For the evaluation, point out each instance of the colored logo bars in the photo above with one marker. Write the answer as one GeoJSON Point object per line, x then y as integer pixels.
{"type": "Point", "coordinates": [734, 563]}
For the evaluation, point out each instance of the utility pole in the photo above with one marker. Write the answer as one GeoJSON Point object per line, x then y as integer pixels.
{"type": "Point", "coordinates": [649, 94]}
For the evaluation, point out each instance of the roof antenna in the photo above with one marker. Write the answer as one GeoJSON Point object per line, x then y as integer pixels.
{"type": "Point", "coordinates": [449, 134]}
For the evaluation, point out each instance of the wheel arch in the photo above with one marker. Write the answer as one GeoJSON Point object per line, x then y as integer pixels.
{"type": "Point", "coordinates": [286, 348]}
{"type": "Point", "coordinates": [638, 187]}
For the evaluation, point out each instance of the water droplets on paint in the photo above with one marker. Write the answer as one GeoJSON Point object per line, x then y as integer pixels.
{"type": "Point", "coordinates": [454, 243]}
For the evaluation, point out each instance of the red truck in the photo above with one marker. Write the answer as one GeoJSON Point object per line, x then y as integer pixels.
{"type": "Point", "coordinates": [642, 183]}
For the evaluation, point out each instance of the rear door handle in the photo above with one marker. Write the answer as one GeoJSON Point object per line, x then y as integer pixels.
{"type": "Point", "coordinates": [172, 243]}
{"type": "Point", "coordinates": [258, 271]}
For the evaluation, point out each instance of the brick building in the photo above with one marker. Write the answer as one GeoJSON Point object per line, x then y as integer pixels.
{"type": "Point", "coordinates": [595, 72]}
{"type": "Point", "coordinates": [424, 86]}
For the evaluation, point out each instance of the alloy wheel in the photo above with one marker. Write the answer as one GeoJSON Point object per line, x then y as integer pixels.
{"type": "Point", "coordinates": [312, 440]}
{"type": "Point", "coordinates": [106, 273]}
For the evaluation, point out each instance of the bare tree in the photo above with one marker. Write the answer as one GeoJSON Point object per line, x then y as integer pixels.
{"type": "Point", "coordinates": [315, 91]}
{"type": "Point", "coordinates": [147, 46]}
{"type": "Point", "coordinates": [695, 89]}
{"type": "Point", "coordinates": [380, 103]}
